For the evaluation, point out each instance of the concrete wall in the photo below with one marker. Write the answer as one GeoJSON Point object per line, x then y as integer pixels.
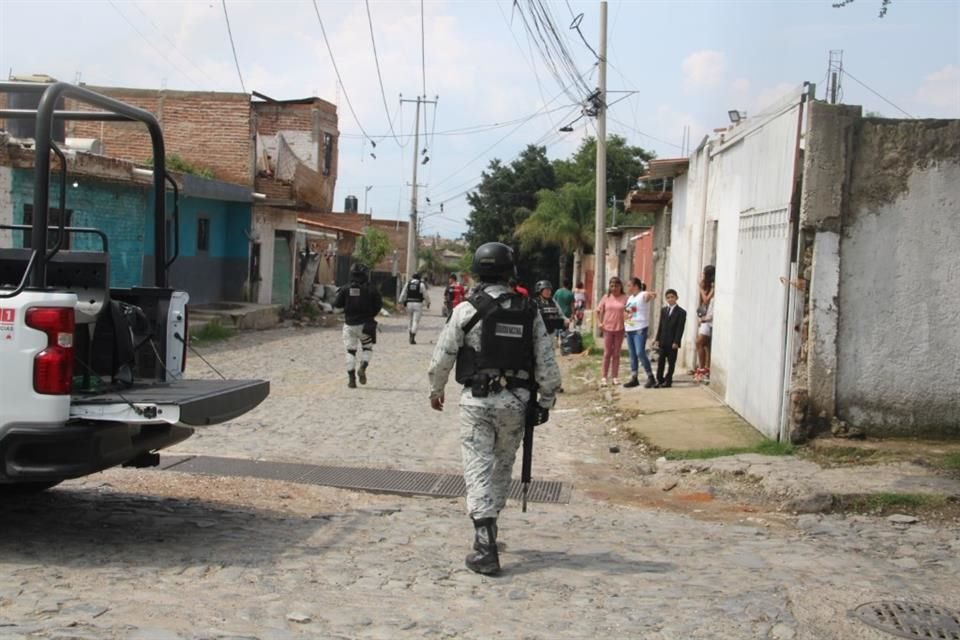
{"type": "Point", "coordinates": [899, 280]}
{"type": "Point", "coordinates": [267, 221]}
{"type": "Point", "coordinates": [6, 205]}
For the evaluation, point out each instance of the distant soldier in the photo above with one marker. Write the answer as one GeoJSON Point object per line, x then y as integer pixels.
{"type": "Point", "coordinates": [553, 316]}
{"type": "Point", "coordinates": [361, 302]}
{"type": "Point", "coordinates": [501, 350]}
{"type": "Point", "coordinates": [414, 296]}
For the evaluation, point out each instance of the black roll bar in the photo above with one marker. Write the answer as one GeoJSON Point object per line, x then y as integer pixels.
{"type": "Point", "coordinates": [45, 114]}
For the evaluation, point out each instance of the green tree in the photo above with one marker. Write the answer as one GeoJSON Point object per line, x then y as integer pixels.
{"type": "Point", "coordinates": [563, 219]}
{"type": "Point", "coordinates": [372, 247]}
{"type": "Point", "coordinates": [431, 265]}
{"type": "Point", "coordinates": [625, 163]}
{"type": "Point", "coordinates": [506, 195]}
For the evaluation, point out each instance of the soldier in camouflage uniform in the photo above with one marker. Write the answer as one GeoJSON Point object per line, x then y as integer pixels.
{"type": "Point", "coordinates": [361, 302]}
{"type": "Point", "coordinates": [494, 398]}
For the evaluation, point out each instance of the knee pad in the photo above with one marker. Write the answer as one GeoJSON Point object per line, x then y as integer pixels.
{"type": "Point", "coordinates": [352, 352]}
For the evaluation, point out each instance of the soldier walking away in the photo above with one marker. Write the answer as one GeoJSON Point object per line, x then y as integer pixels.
{"type": "Point", "coordinates": [502, 354]}
{"type": "Point", "coordinates": [414, 296]}
{"type": "Point", "coordinates": [361, 302]}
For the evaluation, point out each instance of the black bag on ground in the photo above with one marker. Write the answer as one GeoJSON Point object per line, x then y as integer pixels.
{"type": "Point", "coordinates": [571, 342]}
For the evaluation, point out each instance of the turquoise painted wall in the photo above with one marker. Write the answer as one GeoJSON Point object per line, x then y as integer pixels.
{"type": "Point", "coordinates": [125, 214]}
{"type": "Point", "coordinates": [118, 210]}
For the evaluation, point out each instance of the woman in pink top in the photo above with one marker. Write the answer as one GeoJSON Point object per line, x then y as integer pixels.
{"type": "Point", "coordinates": [610, 315]}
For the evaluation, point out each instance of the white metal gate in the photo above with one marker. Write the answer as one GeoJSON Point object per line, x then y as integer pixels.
{"type": "Point", "coordinates": [767, 150]}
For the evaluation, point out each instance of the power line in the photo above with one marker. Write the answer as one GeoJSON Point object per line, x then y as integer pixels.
{"type": "Point", "coordinates": [150, 44]}
{"type": "Point", "coordinates": [376, 59]}
{"type": "Point", "coordinates": [233, 47]}
{"type": "Point", "coordinates": [646, 135]}
{"type": "Point", "coordinates": [337, 71]}
{"type": "Point", "coordinates": [848, 74]}
{"type": "Point", "coordinates": [423, 59]}
{"type": "Point", "coordinates": [473, 129]}
{"type": "Point", "coordinates": [172, 44]}
{"type": "Point", "coordinates": [509, 133]}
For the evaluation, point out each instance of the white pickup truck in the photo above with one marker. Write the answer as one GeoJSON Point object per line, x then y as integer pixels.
{"type": "Point", "coordinates": [92, 376]}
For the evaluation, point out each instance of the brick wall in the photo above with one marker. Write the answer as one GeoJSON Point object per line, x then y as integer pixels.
{"type": "Point", "coordinates": [206, 128]}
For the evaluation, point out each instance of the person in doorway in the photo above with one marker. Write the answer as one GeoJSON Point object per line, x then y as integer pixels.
{"type": "Point", "coordinates": [564, 298]}
{"type": "Point", "coordinates": [361, 302]}
{"type": "Point", "coordinates": [669, 333]}
{"type": "Point", "coordinates": [498, 370]}
{"type": "Point", "coordinates": [610, 315]}
{"type": "Point", "coordinates": [413, 297]}
{"type": "Point", "coordinates": [579, 304]}
{"type": "Point", "coordinates": [705, 319]}
{"type": "Point", "coordinates": [637, 325]}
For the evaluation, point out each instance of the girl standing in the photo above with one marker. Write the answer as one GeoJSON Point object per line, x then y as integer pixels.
{"type": "Point", "coordinates": [610, 314]}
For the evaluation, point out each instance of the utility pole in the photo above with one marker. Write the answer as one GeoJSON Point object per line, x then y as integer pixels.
{"type": "Point", "coordinates": [599, 239]}
{"type": "Point", "coordinates": [412, 229]}
{"type": "Point", "coordinates": [835, 71]}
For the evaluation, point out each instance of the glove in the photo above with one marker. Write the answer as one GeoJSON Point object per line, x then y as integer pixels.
{"type": "Point", "coordinates": [542, 416]}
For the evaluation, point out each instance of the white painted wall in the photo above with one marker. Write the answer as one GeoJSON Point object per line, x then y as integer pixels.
{"type": "Point", "coordinates": [266, 221]}
{"type": "Point", "coordinates": [743, 181]}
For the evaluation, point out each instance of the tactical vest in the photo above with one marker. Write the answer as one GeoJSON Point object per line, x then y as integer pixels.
{"type": "Point", "coordinates": [359, 302]}
{"type": "Point", "coordinates": [414, 291]}
{"type": "Point", "coordinates": [506, 336]}
{"type": "Point", "coordinates": [550, 313]}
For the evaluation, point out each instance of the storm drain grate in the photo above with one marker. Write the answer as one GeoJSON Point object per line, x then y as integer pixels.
{"type": "Point", "coordinates": [377, 480]}
{"type": "Point", "coordinates": [911, 620]}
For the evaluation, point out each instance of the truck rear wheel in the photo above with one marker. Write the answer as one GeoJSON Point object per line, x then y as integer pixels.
{"type": "Point", "coordinates": [26, 488]}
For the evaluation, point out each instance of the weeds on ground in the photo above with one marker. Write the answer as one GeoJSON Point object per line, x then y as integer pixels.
{"type": "Point", "coordinates": [951, 462]}
{"type": "Point", "coordinates": [210, 332]}
{"type": "Point", "coordinates": [767, 448]}
{"type": "Point", "coordinates": [887, 502]}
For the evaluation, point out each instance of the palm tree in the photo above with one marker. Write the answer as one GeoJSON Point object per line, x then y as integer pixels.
{"type": "Point", "coordinates": [564, 219]}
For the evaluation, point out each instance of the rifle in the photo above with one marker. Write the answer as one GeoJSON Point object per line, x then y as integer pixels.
{"type": "Point", "coordinates": [529, 423]}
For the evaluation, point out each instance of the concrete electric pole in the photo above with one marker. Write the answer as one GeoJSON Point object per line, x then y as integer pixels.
{"type": "Point", "coordinates": [599, 239]}
{"type": "Point", "coordinates": [412, 229]}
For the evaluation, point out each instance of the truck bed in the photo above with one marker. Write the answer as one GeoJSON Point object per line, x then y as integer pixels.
{"type": "Point", "coordinates": [201, 402]}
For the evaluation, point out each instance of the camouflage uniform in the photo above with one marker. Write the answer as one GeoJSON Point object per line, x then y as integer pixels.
{"type": "Point", "coordinates": [491, 428]}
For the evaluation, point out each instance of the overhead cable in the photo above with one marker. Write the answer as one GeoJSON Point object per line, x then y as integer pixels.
{"type": "Point", "coordinates": [848, 74]}
{"type": "Point", "coordinates": [233, 47]}
{"type": "Point", "coordinates": [376, 60]}
{"type": "Point", "coordinates": [150, 44]}
{"type": "Point", "coordinates": [336, 70]}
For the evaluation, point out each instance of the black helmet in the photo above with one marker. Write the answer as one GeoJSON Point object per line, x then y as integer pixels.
{"type": "Point", "coordinates": [494, 260]}
{"type": "Point", "coordinates": [359, 272]}
{"type": "Point", "coordinates": [415, 276]}
{"type": "Point", "coordinates": [544, 284]}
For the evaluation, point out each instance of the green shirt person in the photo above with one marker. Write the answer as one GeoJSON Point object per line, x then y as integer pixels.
{"type": "Point", "coordinates": [564, 299]}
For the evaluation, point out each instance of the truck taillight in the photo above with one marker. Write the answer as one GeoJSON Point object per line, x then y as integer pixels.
{"type": "Point", "coordinates": [53, 367]}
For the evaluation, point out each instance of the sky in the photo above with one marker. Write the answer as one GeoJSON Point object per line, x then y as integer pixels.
{"type": "Point", "coordinates": [688, 61]}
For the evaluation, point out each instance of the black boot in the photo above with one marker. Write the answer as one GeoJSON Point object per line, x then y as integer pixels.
{"type": "Point", "coordinates": [352, 379]}
{"type": "Point", "coordinates": [413, 339]}
{"type": "Point", "coordinates": [632, 382]}
{"type": "Point", "coordinates": [651, 382]}
{"type": "Point", "coordinates": [484, 559]}
{"type": "Point", "coordinates": [362, 373]}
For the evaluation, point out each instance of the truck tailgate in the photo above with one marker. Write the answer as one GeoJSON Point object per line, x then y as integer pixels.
{"type": "Point", "coordinates": [201, 402]}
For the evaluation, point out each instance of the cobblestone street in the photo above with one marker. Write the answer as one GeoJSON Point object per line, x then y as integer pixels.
{"type": "Point", "coordinates": [157, 555]}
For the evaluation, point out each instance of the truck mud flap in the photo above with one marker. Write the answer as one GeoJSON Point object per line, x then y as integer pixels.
{"type": "Point", "coordinates": [201, 402]}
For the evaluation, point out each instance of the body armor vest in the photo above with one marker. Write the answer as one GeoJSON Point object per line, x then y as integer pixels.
{"type": "Point", "coordinates": [506, 336]}
{"type": "Point", "coordinates": [550, 313]}
{"type": "Point", "coordinates": [414, 291]}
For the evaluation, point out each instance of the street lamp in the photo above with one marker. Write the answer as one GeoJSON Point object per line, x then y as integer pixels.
{"type": "Point", "coordinates": [366, 190]}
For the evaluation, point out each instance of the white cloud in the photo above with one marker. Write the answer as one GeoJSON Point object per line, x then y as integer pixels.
{"type": "Point", "coordinates": [941, 89]}
{"type": "Point", "coordinates": [704, 70]}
